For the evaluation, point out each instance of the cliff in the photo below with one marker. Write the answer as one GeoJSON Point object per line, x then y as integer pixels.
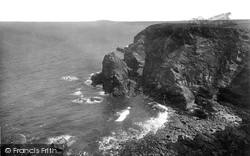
{"type": "Point", "coordinates": [185, 63]}
{"type": "Point", "coordinates": [203, 73]}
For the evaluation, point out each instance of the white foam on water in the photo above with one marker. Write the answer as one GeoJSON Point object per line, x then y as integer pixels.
{"type": "Point", "coordinates": [69, 78]}
{"type": "Point", "coordinates": [22, 138]}
{"type": "Point", "coordinates": [123, 115]}
{"type": "Point", "coordinates": [70, 139]}
{"type": "Point", "coordinates": [80, 100]}
{"type": "Point", "coordinates": [78, 88]}
{"type": "Point", "coordinates": [108, 144]}
{"type": "Point", "coordinates": [92, 74]}
{"type": "Point", "coordinates": [15, 128]}
{"type": "Point", "coordinates": [93, 100]}
{"type": "Point", "coordinates": [77, 93]}
{"type": "Point", "coordinates": [161, 107]}
{"type": "Point", "coordinates": [42, 125]}
{"type": "Point", "coordinates": [102, 93]}
{"type": "Point", "coordinates": [153, 124]}
{"type": "Point", "coordinates": [33, 139]}
{"type": "Point", "coordinates": [98, 86]}
{"type": "Point", "coordinates": [88, 82]}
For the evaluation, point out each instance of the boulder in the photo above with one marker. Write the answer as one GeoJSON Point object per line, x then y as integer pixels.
{"type": "Point", "coordinates": [97, 79]}
{"type": "Point", "coordinates": [60, 145]}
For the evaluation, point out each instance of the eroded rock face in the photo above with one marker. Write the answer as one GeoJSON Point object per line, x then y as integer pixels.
{"type": "Point", "coordinates": [130, 60]}
{"type": "Point", "coordinates": [97, 79]}
{"type": "Point", "coordinates": [183, 63]}
{"type": "Point", "coordinates": [114, 76]}
{"type": "Point", "coordinates": [239, 90]}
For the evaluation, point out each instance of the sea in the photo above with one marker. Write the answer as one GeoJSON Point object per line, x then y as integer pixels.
{"type": "Point", "coordinates": [45, 91]}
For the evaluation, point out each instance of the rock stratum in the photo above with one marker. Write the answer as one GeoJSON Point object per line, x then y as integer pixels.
{"type": "Point", "coordinates": [201, 71]}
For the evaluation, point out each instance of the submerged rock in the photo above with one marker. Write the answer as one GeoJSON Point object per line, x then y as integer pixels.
{"type": "Point", "coordinates": [60, 144]}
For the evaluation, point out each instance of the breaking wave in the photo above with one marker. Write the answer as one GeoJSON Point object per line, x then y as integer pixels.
{"type": "Point", "coordinates": [123, 114]}
{"type": "Point", "coordinates": [69, 78]}
{"type": "Point", "coordinates": [80, 100]}
{"type": "Point", "coordinates": [95, 99]}
{"type": "Point", "coordinates": [102, 93]}
{"type": "Point", "coordinates": [77, 93]}
{"type": "Point", "coordinates": [68, 138]}
{"type": "Point", "coordinates": [88, 82]}
{"type": "Point", "coordinates": [109, 145]}
{"type": "Point", "coordinates": [91, 100]}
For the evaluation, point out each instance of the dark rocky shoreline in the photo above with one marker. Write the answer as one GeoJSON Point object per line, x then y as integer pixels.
{"type": "Point", "coordinates": [202, 73]}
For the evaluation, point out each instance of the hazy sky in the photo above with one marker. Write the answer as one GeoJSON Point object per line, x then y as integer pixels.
{"type": "Point", "coordinates": [118, 10]}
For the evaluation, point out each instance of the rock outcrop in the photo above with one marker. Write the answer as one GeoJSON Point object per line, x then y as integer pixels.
{"type": "Point", "coordinates": [204, 70]}
{"type": "Point", "coordinates": [183, 63]}
{"type": "Point", "coordinates": [114, 76]}
{"type": "Point", "coordinates": [130, 60]}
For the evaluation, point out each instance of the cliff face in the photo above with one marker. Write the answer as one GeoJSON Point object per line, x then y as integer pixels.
{"type": "Point", "coordinates": [130, 60]}
{"type": "Point", "coordinates": [185, 63]}
{"type": "Point", "coordinates": [204, 70]}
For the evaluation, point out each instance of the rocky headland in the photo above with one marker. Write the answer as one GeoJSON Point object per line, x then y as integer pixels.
{"type": "Point", "coordinates": [200, 71]}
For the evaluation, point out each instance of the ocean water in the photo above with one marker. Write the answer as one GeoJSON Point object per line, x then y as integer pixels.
{"type": "Point", "coordinates": [45, 71]}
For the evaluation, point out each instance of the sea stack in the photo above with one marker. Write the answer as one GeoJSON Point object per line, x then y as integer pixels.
{"type": "Point", "coordinates": [114, 76]}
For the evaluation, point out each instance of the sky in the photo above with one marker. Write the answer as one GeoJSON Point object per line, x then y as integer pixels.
{"type": "Point", "coordinates": [119, 10]}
